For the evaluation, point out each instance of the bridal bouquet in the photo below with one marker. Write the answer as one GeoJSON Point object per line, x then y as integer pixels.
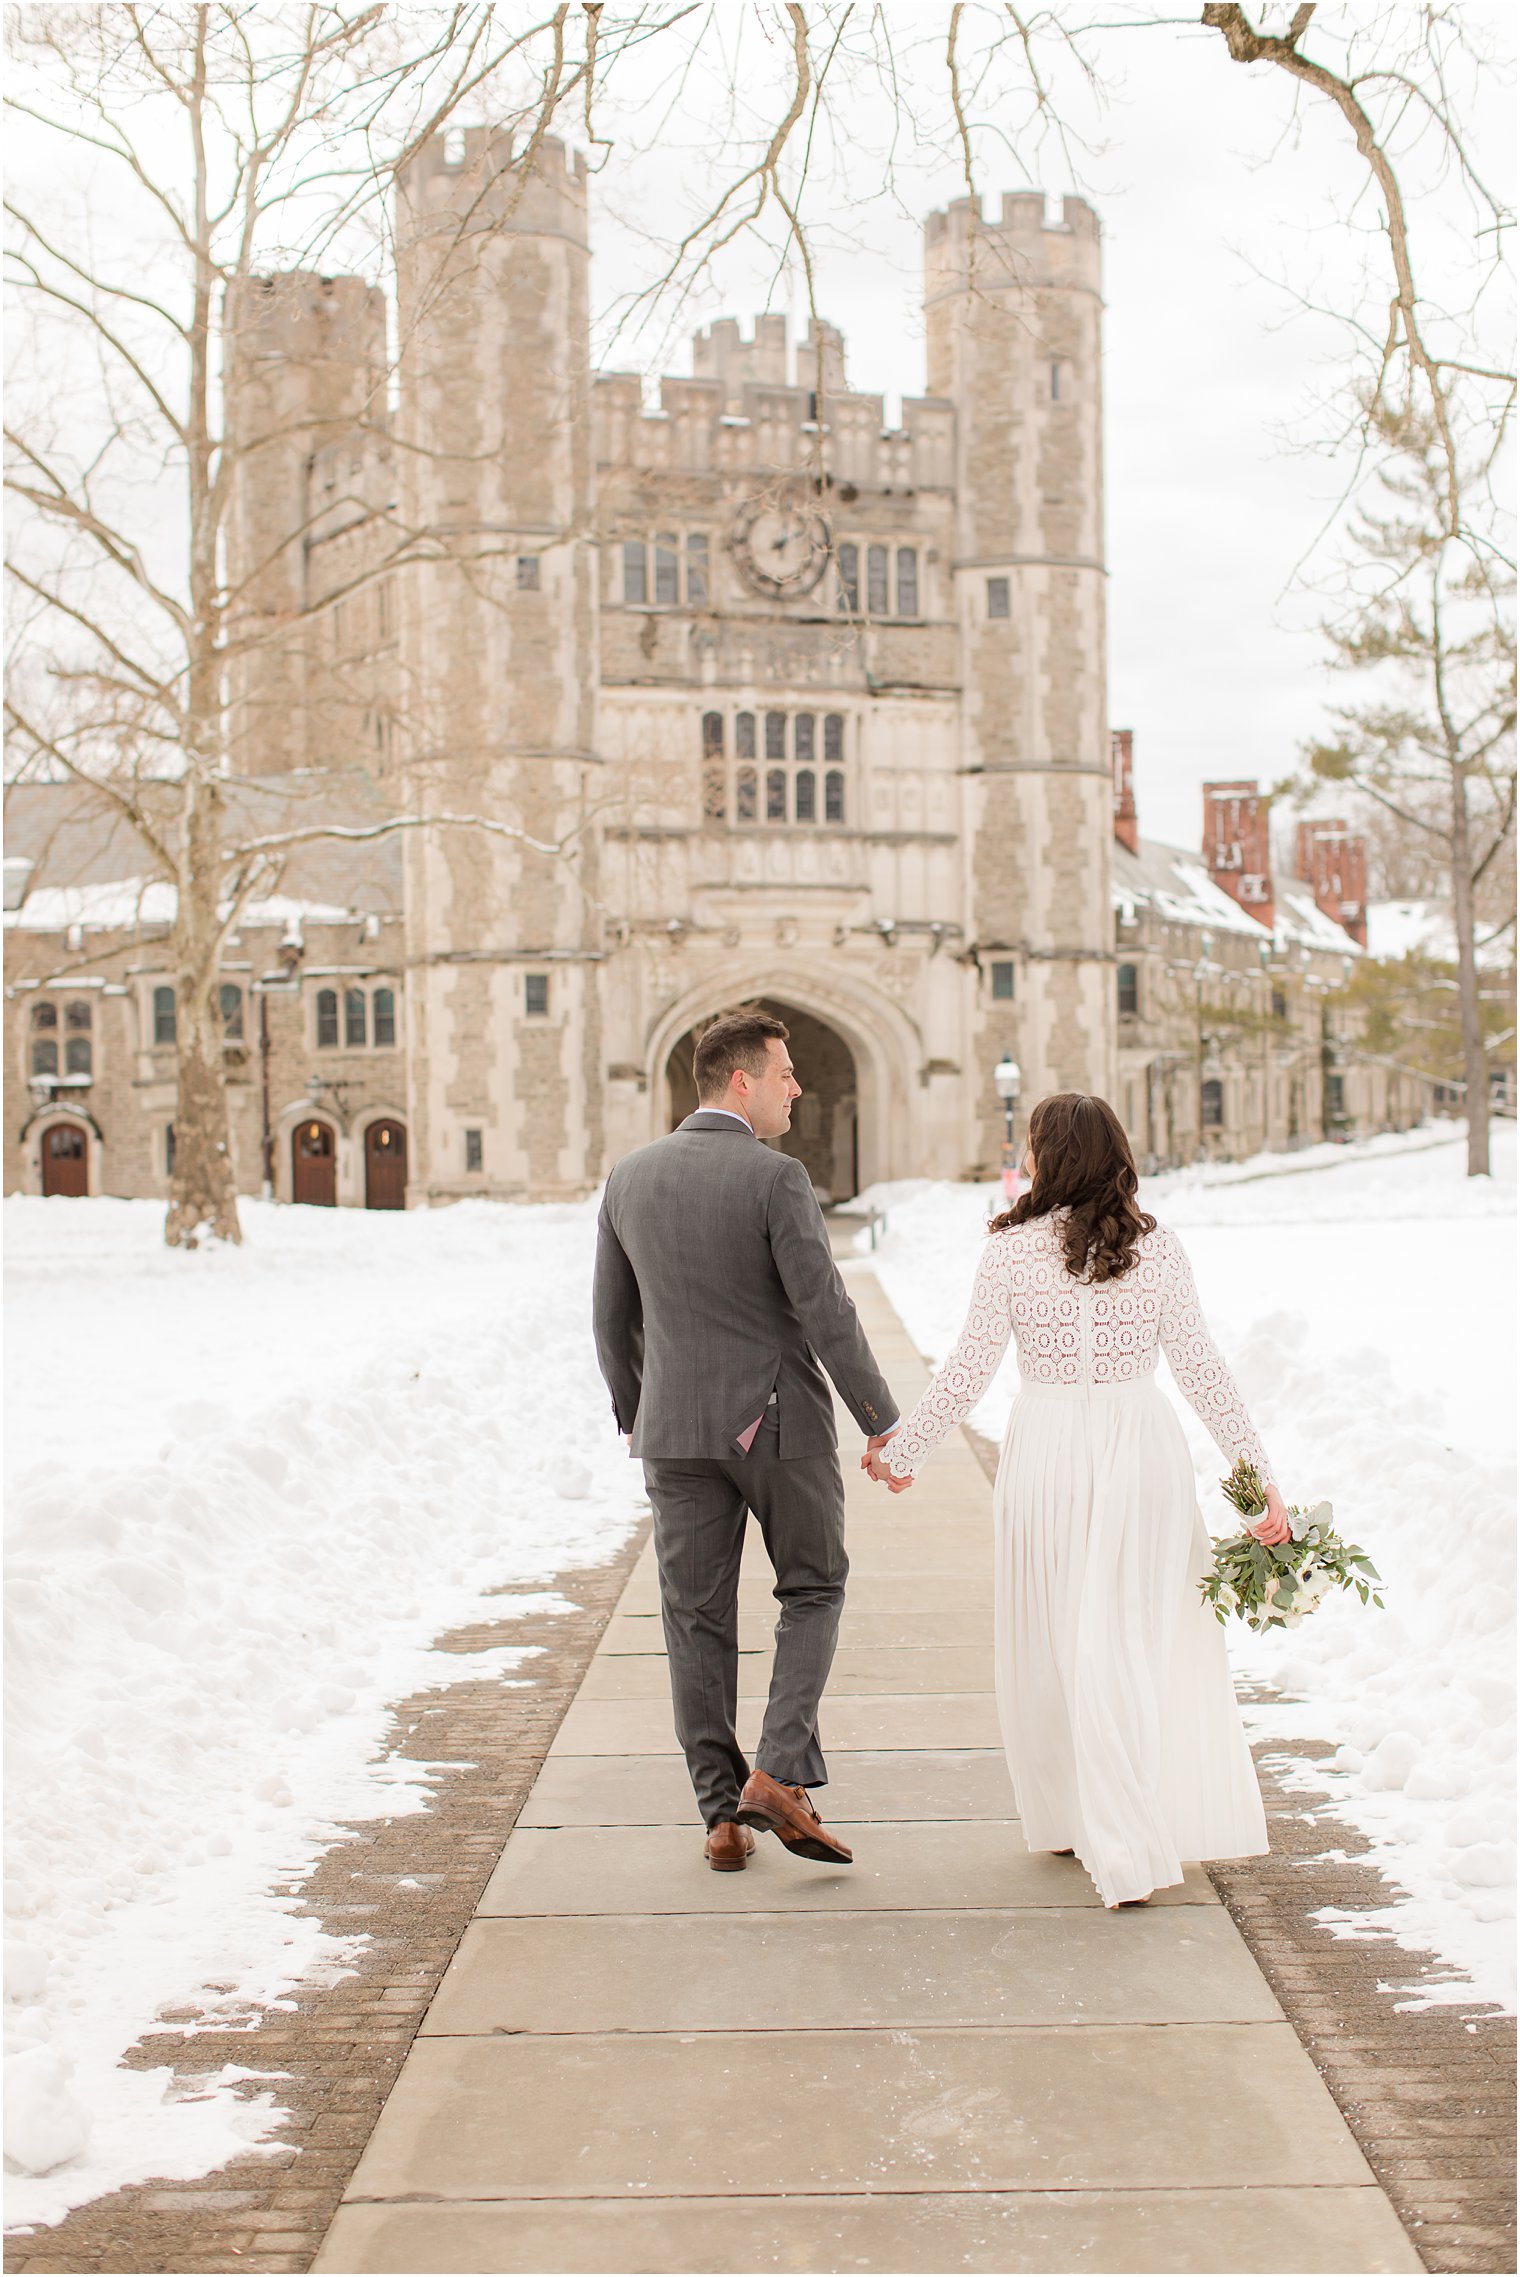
{"type": "Point", "coordinates": [1274, 1587]}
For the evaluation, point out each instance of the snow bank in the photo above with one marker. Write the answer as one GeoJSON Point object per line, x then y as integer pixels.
{"type": "Point", "coordinates": [1368, 1310]}
{"type": "Point", "coordinates": [247, 1490]}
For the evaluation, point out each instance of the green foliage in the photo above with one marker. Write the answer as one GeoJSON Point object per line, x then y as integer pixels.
{"type": "Point", "coordinates": [1272, 1587]}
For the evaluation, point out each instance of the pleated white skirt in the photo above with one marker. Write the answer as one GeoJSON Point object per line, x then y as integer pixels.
{"type": "Point", "coordinates": [1118, 1712]}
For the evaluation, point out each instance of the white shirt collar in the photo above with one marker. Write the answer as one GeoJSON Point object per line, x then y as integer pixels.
{"type": "Point", "coordinates": [733, 1118]}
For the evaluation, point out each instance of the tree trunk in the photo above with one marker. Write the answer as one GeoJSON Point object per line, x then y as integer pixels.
{"type": "Point", "coordinates": [202, 1193]}
{"type": "Point", "coordinates": [1474, 1057]}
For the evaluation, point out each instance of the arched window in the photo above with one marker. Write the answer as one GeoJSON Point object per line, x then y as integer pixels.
{"type": "Point", "coordinates": [667, 570]}
{"type": "Point", "coordinates": [44, 1014]}
{"type": "Point", "coordinates": [802, 739]}
{"type": "Point", "coordinates": [230, 998]}
{"type": "Point", "coordinates": [744, 735]}
{"type": "Point", "coordinates": [384, 1010]}
{"type": "Point", "coordinates": [775, 735]}
{"type": "Point", "coordinates": [807, 795]}
{"type": "Point", "coordinates": [44, 1055]}
{"type": "Point", "coordinates": [165, 1018]}
{"type": "Point", "coordinates": [1129, 989]}
{"type": "Point", "coordinates": [833, 738]}
{"type": "Point", "coordinates": [878, 596]}
{"type": "Point", "coordinates": [327, 1019]}
{"type": "Point", "coordinates": [1212, 1092]}
{"type": "Point", "coordinates": [833, 796]}
{"type": "Point", "coordinates": [744, 795]}
{"type": "Point", "coordinates": [849, 579]}
{"type": "Point", "coordinates": [355, 1019]}
{"type": "Point", "coordinates": [907, 581]}
{"type": "Point", "coordinates": [775, 795]}
{"type": "Point", "coordinates": [714, 802]}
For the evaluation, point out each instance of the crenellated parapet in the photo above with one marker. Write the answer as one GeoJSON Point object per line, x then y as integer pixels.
{"type": "Point", "coordinates": [331, 328]}
{"type": "Point", "coordinates": [741, 414]}
{"type": "Point", "coordinates": [468, 180]}
{"type": "Point", "coordinates": [1022, 247]}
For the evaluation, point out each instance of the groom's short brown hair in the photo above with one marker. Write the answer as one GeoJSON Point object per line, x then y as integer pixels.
{"type": "Point", "coordinates": [735, 1039]}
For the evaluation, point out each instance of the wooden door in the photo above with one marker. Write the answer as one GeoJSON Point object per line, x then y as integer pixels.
{"type": "Point", "coordinates": [385, 1167]}
{"type": "Point", "coordinates": [65, 1160]}
{"type": "Point", "coordinates": [314, 1165]}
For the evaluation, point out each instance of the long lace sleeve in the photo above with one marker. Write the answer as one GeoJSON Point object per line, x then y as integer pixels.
{"type": "Point", "coordinates": [968, 1371]}
{"type": "Point", "coordinates": [1202, 1375]}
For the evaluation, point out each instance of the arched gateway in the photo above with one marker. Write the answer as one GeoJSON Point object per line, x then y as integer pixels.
{"type": "Point", "coordinates": [825, 1132]}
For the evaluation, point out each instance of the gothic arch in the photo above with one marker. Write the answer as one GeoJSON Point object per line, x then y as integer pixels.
{"type": "Point", "coordinates": [62, 1113]}
{"type": "Point", "coordinates": [886, 1044]}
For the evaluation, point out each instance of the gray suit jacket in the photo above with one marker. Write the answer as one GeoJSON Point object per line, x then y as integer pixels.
{"type": "Point", "coordinates": [716, 1286]}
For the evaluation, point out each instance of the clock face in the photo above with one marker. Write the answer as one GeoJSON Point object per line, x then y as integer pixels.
{"type": "Point", "coordinates": [782, 547]}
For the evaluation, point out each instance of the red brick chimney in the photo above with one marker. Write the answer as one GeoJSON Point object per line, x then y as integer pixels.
{"type": "Point", "coordinates": [1333, 861]}
{"type": "Point", "coordinates": [1236, 847]}
{"type": "Point", "coordinates": [1126, 821]}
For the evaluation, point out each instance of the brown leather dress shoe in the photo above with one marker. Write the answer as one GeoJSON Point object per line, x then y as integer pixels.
{"type": "Point", "coordinates": [728, 1847]}
{"type": "Point", "coordinates": [788, 1813]}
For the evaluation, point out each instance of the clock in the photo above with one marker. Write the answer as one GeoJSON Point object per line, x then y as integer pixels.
{"type": "Point", "coordinates": [781, 546]}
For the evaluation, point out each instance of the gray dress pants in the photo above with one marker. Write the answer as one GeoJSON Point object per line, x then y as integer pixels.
{"type": "Point", "coordinates": [700, 1509]}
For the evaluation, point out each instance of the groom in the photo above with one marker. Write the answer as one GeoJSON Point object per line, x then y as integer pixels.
{"type": "Point", "coordinates": [716, 1298]}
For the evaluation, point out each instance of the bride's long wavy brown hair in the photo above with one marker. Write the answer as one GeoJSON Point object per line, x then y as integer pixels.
{"type": "Point", "coordinates": [1083, 1165]}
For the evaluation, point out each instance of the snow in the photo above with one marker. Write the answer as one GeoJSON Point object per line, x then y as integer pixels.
{"type": "Point", "coordinates": [1365, 1297]}
{"type": "Point", "coordinates": [118, 904]}
{"type": "Point", "coordinates": [247, 1490]}
{"type": "Point", "coordinates": [1398, 929]}
{"type": "Point", "coordinates": [1174, 881]}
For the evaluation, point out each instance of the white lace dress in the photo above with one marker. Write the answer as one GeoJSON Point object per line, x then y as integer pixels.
{"type": "Point", "coordinates": [1117, 1709]}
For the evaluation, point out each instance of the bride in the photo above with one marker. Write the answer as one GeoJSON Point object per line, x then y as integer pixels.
{"type": "Point", "coordinates": [1118, 1714]}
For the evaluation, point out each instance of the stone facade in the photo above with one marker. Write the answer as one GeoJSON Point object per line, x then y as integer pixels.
{"type": "Point", "coordinates": [803, 709]}
{"type": "Point", "coordinates": [757, 700]}
{"type": "Point", "coordinates": [1235, 1034]}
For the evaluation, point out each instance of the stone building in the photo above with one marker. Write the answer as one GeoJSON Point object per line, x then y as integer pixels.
{"type": "Point", "coordinates": [1235, 1036]}
{"type": "Point", "coordinates": [743, 697]}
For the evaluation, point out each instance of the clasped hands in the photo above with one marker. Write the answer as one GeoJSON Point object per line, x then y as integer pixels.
{"type": "Point", "coordinates": [873, 1466]}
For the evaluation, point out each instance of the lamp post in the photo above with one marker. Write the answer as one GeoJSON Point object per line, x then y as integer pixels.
{"type": "Point", "coordinates": [1005, 1077]}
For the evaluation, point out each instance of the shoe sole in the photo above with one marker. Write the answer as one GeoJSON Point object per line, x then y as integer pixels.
{"type": "Point", "coordinates": [800, 1845]}
{"type": "Point", "coordinates": [719, 1867]}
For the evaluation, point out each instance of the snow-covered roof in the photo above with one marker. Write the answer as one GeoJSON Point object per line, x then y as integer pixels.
{"type": "Point", "coordinates": [72, 859]}
{"type": "Point", "coordinates": [1175, 883]}
{"type": "Point", "coordinates": [118, 904]}
{"type": "Point", "coordinates": [1300, 919]}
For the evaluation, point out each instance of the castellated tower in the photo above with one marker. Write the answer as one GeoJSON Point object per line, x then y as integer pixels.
{"type": "Point", "coordinates": [498, 667]}
{"type": "Point", "coordinates": [305, 409]}
{"type": "Point", "coordinates": [1013, 313]}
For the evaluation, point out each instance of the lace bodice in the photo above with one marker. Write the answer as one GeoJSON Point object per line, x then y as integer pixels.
{"type": "Point", "coordinates": [1068, 1331]}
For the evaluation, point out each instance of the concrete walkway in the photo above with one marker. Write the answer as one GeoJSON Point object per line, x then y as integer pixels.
{"type": "Point", "coordinates": [946, 2057]}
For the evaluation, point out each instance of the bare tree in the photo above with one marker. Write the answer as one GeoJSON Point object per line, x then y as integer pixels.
{"type": "Point", "coordinates": [1433, 746]}
{"type": "Point", "coordinates": [1429, 594]}
{"type": "Point", "coordinates": [235, 146]}
{"type": "Point", "coordinates": [247, 140]}
{"type": "Point", "coordinates": [229, 141]}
